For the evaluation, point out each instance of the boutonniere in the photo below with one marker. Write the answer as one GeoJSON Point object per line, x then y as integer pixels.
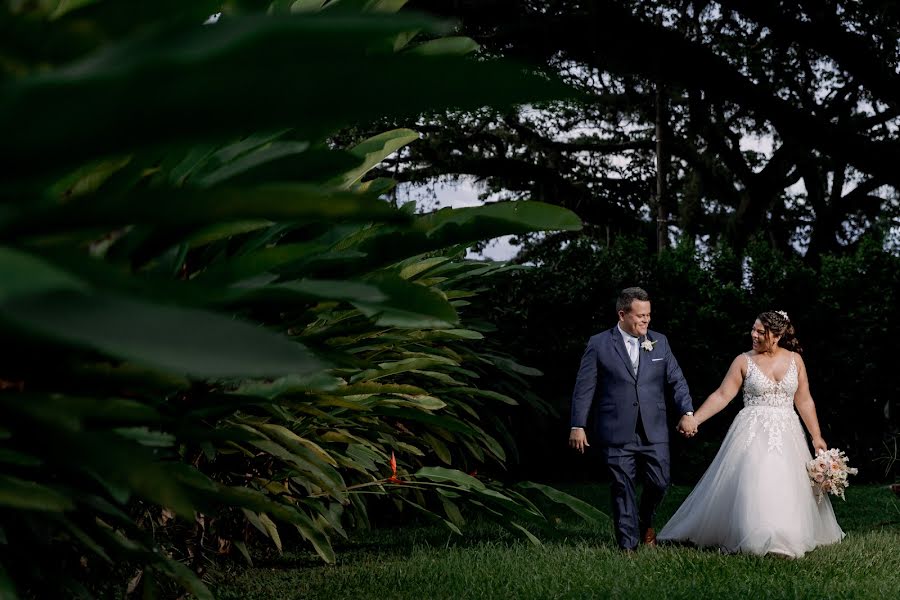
{"type": "Point", "coordinates": [648, 345]}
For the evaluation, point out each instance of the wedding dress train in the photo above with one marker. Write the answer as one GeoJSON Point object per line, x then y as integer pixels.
{"type": "Point", "coordinates": [755, 497]}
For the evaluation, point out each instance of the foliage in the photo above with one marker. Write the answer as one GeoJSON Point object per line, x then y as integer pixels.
{"type": "Point", "coordinates": [766, 117]}
{"type": "Point", "coordinates": [705, 303]}
{"type": "Point", "coordinates": [216, 324]}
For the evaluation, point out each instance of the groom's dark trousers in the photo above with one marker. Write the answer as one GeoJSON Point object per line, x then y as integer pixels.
{"type": "Point", "coordinates": [630, 422]}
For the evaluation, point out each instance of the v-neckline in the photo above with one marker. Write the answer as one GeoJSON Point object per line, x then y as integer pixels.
{"type": "Point", "coordinates": [772, 379]}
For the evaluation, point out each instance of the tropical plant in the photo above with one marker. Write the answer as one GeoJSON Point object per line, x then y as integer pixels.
{"type": "Point", "coordinates": [212, 319]}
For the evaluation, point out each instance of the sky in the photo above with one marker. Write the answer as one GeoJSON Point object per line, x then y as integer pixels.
{"type": "Point", "coordinates": [456, 194]}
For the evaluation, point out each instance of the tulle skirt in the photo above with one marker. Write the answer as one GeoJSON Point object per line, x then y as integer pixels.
{"type": "Point", "coordinates": [756, 497]}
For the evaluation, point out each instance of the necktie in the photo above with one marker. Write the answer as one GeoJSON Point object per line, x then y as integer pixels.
{"type": "Point", "coordinates": [633, 353]}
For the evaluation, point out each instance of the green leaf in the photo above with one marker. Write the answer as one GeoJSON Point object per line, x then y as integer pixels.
{"type": "Point", "coordinates": [452, 226]}
{"type": "Point", "coordinates": [511, 365]}
{"type": "Point", "coordinates": [443, 474]}
{"type": "Point", "coordinates": [210, 82]}
{"type": "Point", "coordinates": [374, 150]}
{"type": "Point", "coordinates": [576, 505]}
{"type": "Point", "coordinates": [292, 384]}
{"type": "Point", "coordinates": [184, 576]}
{"type": "Point", "coordinates": [405, 365]}
{"type": "Point", "coordinates": [23, 274]}
{"type": "Point", "coordinates": [324, 289]}
{"type": "Point", "coordinates": [317, 471]}
{"type": "Point", "coordinates": [452, 511]}
{"type": "Point", "coordinates": [421, 401]}
{"type": "Point", "coordinates": [286, 436]}
{"type": "Point", "coordinates": [147, 437]}
{"type": "Point", "coordinates": [7, 587]}
{"type": "Point", "coordinates": [486, 394]}
{"type": "Point", "coordinates": [441, 420]}
{"type": "Point", "coordinates": [408, 305]}
{"type": "Point", "coordinates": [531, 537]}
{"type": "Point", "coordinates": [439, 447]}
{"type": "Point", "coordinates": [28, 495]}
{"type": "Point", "coordinates": [253, 519]}
{"type": "Point", "coordinates": [11, 457]}
{"type": "Point", "coordinates": [314, 534]}
{"type": "Point", "coordinates": [85, 539]}
{"type": "Point", "coordinates": [271, 530]}
{"type": "Point", "coordinates": [242, 548]}
{"type": "Point", "coordinates": [357, 6]}
{"type": "Point", "coordinates": [194, 207]}
{"type": "Point", "coordinates": [376, 187]}
{"type": "Point", "coordinates": [419, 266]}
{"type": "Point", "coordinates": [283, 161]}
{"type": "Point", "coordinates": [300, 6]}
{"type": "Point", "coordinates": [178, 340]}
{"type": "Point", "coordinates": [261, 156]}
{"type": "Point", "coordinates": [457, 45]}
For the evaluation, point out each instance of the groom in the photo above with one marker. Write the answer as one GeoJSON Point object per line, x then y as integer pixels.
{"type": "Point", "coordinates": [624, 376]}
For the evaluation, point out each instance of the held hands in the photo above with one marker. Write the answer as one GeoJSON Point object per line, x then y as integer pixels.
{"type": "Point", "coordinates": [578, 440]}
{"type": "Point", "coordinates": [688, 426]}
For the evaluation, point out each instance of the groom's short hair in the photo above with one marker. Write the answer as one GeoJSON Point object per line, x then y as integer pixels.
{"type": "Point", "coordinates": [629, 295]}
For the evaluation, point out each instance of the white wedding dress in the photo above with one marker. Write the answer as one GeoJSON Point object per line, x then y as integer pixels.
{"type": "Point", "coordinates": [755, 497]}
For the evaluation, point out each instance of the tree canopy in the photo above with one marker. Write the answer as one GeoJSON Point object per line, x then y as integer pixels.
{"type": "Point", "coordinates": [770, 117]}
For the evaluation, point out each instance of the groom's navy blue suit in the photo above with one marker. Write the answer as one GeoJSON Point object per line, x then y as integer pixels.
{"type": "Point", "coordinates": [630, 420]}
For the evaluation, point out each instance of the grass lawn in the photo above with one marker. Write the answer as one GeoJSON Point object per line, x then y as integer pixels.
{"type": "Point", "coordinates": [576, 562]}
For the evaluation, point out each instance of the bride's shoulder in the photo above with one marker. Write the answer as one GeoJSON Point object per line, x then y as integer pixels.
{"type": "Point", "coordinates": [741, 361]}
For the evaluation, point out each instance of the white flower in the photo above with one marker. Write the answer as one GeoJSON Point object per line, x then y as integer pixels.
{"type": "Point", "coordinates": [648, 345]}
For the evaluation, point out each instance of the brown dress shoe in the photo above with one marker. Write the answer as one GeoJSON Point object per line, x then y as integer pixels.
{"type": "Point", "coordinates": [649, 537]}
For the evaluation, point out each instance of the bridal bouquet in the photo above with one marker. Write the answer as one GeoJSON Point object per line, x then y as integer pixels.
{"type": "Point", "coordinates": [828, 472]}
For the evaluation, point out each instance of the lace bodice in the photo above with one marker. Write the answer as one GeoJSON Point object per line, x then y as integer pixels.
{"type": "Point", "coordinates": [769, 404]}
{"type": "Point", "coordinates": [760, 390]}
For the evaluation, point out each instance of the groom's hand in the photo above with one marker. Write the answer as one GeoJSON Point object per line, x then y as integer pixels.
{"type": "Point", "coordinates": [578, 439]}
{"type": "Point", "coordinates": [688, 426]}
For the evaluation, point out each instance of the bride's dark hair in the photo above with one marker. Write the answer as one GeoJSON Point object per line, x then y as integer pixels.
{"type": "Point", "coordinates": [777, 322]}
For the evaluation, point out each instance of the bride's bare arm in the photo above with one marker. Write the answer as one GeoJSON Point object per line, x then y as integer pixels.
{"type": "Point", "coordinates": [728, 389]}
{"type": "Point", "coordinates": [806, 407]}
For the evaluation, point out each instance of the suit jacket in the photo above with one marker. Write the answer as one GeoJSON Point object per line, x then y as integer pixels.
{"type": "Point", "coordinates": [606, 382]}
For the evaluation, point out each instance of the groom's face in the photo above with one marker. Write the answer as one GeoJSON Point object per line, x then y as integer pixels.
{"type": "Point", "coordinates": [637, 320]}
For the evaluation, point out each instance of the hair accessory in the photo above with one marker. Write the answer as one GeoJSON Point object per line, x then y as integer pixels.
{"type": "Point", "coordinates": [783, 314]}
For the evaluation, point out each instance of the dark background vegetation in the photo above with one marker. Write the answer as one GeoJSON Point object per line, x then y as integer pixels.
{"type": "Point", "coordinates": [224, 333]}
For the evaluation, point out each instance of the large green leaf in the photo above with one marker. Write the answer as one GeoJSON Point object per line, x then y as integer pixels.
{"type": "Point", "coordinates": [184, 576]}
{"type": "Point", "coordinates": [208, 82]}
{"type": "Point", "coordinates": [576, 505]}
{"type": "Point", "coordinates": [450, 227]}
{"type": "Point", "coordinates": [178, 340]}
{"type": "Point", "coordinates": [374, 150]}
{"type": "Point", "coordinates": [355, 6]}
{"type": "Point", "coordinates": [459, 225]}
{"type": "Point", "coordinates": [445, 45]}
{"type": "Point", "coordinates": [443, 474]}
{"type": "Point", "coordinates": [257, 501]}
{"type": "Point", "coordinates": [191, 207]}
{"type": "Point", "coordinates": [29, 495]}
{"type": "Point", "coordinates": [311, 289]}
{"type": "Point", "coordinates": [281, 161]}
{"type": "Point", "coordinates": [314, 535]}
{"type": "Point", "coordinates": [24, 274]}
{"type": "Point", "coordinates": [7, 587]}
{"type": "Point", "coordinates": [408, 305]}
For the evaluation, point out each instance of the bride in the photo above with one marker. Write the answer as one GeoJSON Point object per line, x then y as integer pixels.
{"type": "Point", "coordinates": [755, 497]}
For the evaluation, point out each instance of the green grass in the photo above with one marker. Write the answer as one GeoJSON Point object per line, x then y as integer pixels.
{"type": "Point", "coordinates": [579, 562]}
